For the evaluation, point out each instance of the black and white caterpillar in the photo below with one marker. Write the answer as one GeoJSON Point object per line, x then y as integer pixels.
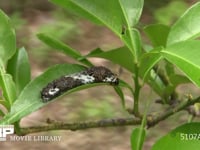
{"type": "Point", "coordinates": [90, 75]}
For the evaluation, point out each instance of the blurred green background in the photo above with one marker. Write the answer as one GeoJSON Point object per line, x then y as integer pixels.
{"type": "Point", "coordinates": [32, 17]}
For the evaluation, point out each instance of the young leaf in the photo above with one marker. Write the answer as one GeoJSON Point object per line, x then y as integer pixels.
{"type": "Point", "coordinates": [187, 27]}
{"type": "Point", "coordinates": [121, 56]}
{"type": "Point", "coordinates": [185, 55]}
{"type": "Point", "coordinates": [137, 138]}
{"type": "Point", "coordinates": [8, 87]}
{"type": "Point", "coordinates": [183, 137]}
{"type": "Point", "coordinates": [170, 69]}
{"type": "Point", "coordinates": [157, 33]}
{"type": "Point", "coordinates": [62, 47]}
{"type": "Point", "coordinates": [148, 61]}
{"type": "Point", "coordinates": [18, 66]}
{"type": "Point", "coordinates": [7, 39]}
{"type": "Point", "coordinates": [156, 83]}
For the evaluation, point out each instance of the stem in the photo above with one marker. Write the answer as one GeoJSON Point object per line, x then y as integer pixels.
{"type": "Point", "coordinates": [166, 81]}
{"type": "Point", "coordinates": [137, 92]}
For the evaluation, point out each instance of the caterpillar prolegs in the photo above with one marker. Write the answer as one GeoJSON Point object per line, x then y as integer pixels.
{"type": "Point", "coordinates": [98, 74]}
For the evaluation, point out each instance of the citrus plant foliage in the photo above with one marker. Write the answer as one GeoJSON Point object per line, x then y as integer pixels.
{"type": "Point", "coordinates": [177, 46]}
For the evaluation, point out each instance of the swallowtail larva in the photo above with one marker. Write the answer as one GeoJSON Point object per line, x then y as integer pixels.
{"type": "Point", "coordinates": [90, 75]}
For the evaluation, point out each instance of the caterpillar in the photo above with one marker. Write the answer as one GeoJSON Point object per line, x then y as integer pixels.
{"type": "Point", "coordinates": [97, 74]}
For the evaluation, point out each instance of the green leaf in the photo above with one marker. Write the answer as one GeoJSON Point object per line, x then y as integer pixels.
{"type": "Point", "coordinates": [115, 14]}
{"type": "Point", "coordinates": [170, 69]}
{"type": "Point", "coordinates": [19, 67]}
{"type": "Point", "coordinates": [187, 27]}
{"type": "Point", "coordinates": [184, 137]}
{"type": "Point", "coordinates": [137, 138]}
{"type": "Point", "coordinates": [62, 47]}
{"type": "Point", "coordinates": [177, 79]}
{"type": "Point", "coordinates": [148, 61]}
{"type": "Point", "coordinates": [8, 87]}
{"type": "Point", "coordinates": [157, 33]}
{"type": "Point", "coordinates": [30, 100]}
{"type": "Point", "coordinates": [132, 10]}
{"type": "Point", "coordinates": [121, 56]}
{"type": "Point", "coordinates": [7, 39]}
{"type": "Point", "coordinates": [112, 13]}
{"type": "Point", "coordinates": [156, 83]}
{"type": "Point", "coordinates": [185, 55]}
{"type": "Point", "coordinates": [133, 41]}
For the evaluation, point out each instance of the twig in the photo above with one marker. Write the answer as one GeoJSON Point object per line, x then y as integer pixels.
{"type": "Point", "coordinates": [151, 121]}
{"type": "Point", "coordinates": [82, 125]}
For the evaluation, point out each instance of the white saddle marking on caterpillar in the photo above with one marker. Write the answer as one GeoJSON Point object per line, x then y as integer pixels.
{"type": "Point", "coordinates": [111, 79]}
{"type": "Point", "coordinates": [53, 91]}
{"type": "Point", "coordinates": [83, 77]}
